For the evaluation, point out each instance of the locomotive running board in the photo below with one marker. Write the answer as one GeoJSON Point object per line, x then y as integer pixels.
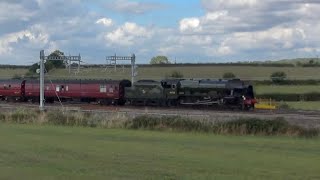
{"type": "Point", "coordinates": [202, 103]}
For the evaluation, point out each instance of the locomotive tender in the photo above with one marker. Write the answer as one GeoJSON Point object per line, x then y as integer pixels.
{"type": "Point", "coordinates": [170, 92]}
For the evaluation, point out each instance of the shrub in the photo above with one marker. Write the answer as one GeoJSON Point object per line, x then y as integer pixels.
{"type": "Point", "coordinates": [169, 123]}
{"type": "Point", "coordinates": [248, 126]}
{"type": "Point", "coordinates": [67, 118]}
{"type": "Point", "coordinates": [23, 116]}
{"type": "Point", "coordinates": [228, 75]}
{"type": "Point", "coordinates": [284, 105]}
{"type": "Point", "coordinates": [289, 82]}
{"type": "Point", "coordinates": [176, 74]}
{"type": "Point", "coordinates": [279, 76]}
{"type": "Point", "coordinates": [313, 96]}
{"type": "Point", "coordinates": [2, 117]}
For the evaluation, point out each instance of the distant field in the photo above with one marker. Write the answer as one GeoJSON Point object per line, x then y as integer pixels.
{"type": "Point", "coordinates": [284, 89]}
{"type": "Point", "coordinates": [257, 73]}
{"type": "Point", "coordinates": [9, 73]}
{"type": "Point", "coordinates": [302, 105]}
{"type": "Point", "coordinates": [43, 152]}
{"type": "Point", "coordinates": [243, 72]}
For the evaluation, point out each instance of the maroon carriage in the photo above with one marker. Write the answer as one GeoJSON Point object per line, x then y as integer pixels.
{"type": "Point", "coordinates": [101, 91]}
{"type": "Point", "coordinates": [12, 90]}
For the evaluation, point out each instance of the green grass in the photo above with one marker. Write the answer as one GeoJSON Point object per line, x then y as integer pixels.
{"type": "Point", "coordinates": [45, 152]}
{"type": "Point", "coordinates": [245, 72]}
{"type": "Point", "coordinates": [285, 89]}
{"type": "Point", "coordinates": [6, 73]}
{"type": "Point", "coordinates": [303, 105]}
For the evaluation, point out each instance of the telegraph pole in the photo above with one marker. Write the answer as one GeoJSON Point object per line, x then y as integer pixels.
{"type": "Point", "coordinates": [42, 67]}
{"type": "Point", "coordinates": [42, 57]}
{"type": "Point", "coordinates": [133, 68]}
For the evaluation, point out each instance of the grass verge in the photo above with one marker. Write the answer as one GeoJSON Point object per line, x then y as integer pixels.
{"type": "Point", "coordinates": [47, 152]}
{"type": "Point", "coordinates": [248, 126]}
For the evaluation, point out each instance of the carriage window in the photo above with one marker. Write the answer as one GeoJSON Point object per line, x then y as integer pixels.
{"type": "Point", "coordinates": [111, 89]}
{"type": "Point", "coordinates": [47, 88]}
{"type": "Point", "coordinates": [103, 88]}
{"type": "Point", "coordinates": [67, 88]}
{"type": "Point", "coordinates": [58, 88]}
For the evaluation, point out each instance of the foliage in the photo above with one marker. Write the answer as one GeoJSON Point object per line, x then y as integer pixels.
{"type": "Point", "coordinates": [57, 64]}
{"type": "Point", "coordinates": [288, 82]}
{"type": "Point", "coordinates": [242, 126]}
{"type": "Point", "coordinates": [49, 65]}
{"type": "Point", "coordinates": [247, 126]}
{"type": "Point", "coordinates": [278, 76]}
{"type": "Point", "coordinates": [176, 74]}
{"type": "Point", "coordinates": [17, 76]}
{"type": "Point", "coordinates": [228, 75]}
{"type": "Point", "coordinates": [160, 60]}
{"type": "Point", "coordinates": [312, 96]}
{"type": "Point", "coordinates": [283, 105]}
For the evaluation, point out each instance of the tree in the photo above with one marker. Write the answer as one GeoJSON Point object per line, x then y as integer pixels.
{"type": "Point", "coordinates": [57, 64]}
{"type": "Point", "coordinates": [278, 76]}
{"type": "Point", "coordinates": [228, 75]}
{"type": "Point", "coordinates": [159, 60]}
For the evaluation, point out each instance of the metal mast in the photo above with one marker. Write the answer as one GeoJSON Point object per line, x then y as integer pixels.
{"type": "Point", "coordinates": [131, 58]}
{"type": "Point", "coordinates": [51, 58]}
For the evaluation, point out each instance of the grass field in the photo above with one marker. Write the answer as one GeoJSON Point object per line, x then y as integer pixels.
{"type": "Point", "coordinates": [6, 73]}
{"type": "Point", "coordinates": [45, 152]}
{"type": "Point", "coordinates": [262, 89]}
{"type": "Point", "coordinates": [310, 105]}
{"type": "Point", "coordinates": [200, 72]}
{"type": "Point", "coordinates": [243, 72]}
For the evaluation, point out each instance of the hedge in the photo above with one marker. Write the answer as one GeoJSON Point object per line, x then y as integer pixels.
{"type": "Point", "coordinates": [288, 82]}
{"type": "Point", "coordinates": [313, 96]}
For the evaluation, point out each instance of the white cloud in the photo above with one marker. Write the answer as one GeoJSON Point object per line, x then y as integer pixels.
{"type": "Point", "coordinates": [274, 39]}
{"type": "Point", "coordinates": [128, 34]}
{"type": "Point", "coordinates": [35, 35]}
{"type": "Point", "coordinates": [190, 24]}
{"type": "Point", "coordinates": [105, 21]}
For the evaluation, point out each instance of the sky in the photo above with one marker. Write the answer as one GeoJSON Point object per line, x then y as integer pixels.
{"type": "Point", "coordinates": [186, 31]}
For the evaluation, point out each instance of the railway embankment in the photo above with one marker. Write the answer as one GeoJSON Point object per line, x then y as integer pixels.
{"type": "Point", "coordinates": [237, 126]}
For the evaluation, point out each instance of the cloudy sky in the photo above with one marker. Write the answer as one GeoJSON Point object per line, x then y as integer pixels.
{"type": "Point", "coordinates": [188, 31]}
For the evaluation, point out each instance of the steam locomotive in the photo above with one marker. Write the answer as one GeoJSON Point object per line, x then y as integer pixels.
{"type": "Point", "coordinates": [169, 92]}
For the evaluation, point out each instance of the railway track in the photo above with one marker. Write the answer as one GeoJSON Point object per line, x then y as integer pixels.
{"type": "Point", "coordinates": [302, 118]}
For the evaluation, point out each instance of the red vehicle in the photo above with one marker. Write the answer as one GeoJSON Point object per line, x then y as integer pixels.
{"type": "Point", "coordinates": [101, 91]}
{"type": "Point", "coordinates": [12, 90]}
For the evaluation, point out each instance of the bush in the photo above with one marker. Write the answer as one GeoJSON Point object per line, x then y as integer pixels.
{"type": "Point", "coordinates": [67, 119]}
{"type": "Point", "coordinates": [168, 123]}
{"type": "Point", "coordinates": [248, 126]}
{"type": "Point", "coordinates": [176, 74]}
{"type": "Point", "coordinates": [2, 117]}
{"type": "Point", "coordinates": [289, 82]}
{"type": "Point", "coordinates": [23, 116]}
{"type": "Point", "coordinates": [312, 96]}
{"type": "Point", "coordinates": [228, 75]}
{"type": "Point", "coordinates": [279, 76]}
{"type": "Point", "coordinates": [284, 105]}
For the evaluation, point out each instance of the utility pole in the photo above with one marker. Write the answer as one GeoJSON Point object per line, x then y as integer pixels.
{"type": "Point", "coordinates": [133, 68]}
{"type": "Point", "coordinates": [42, 67]}
{"type": "Point", "coordinates": [42, 57]}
